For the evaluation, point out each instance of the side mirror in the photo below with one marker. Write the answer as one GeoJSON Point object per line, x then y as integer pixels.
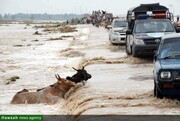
{"type": "Point", "coordinates": [155, 58]}
{"type": "Point", "coordinates": [171, 16]}
{"type": "Point", "coordinates": [128, 32]}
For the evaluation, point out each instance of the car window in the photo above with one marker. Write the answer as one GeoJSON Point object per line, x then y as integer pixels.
{"type": "Point", "coordinates": [120, 24]}
{"type": "Point", "coordinates": [170, 48]}
{"type": "Point", "coordinates": [153, 26]}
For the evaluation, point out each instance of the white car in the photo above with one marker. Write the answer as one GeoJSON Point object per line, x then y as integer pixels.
{"type": "Point", "coordinates": [117, 33]}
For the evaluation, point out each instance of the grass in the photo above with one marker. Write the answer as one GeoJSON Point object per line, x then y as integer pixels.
{"type": "Point", "coordinates": [12, 79]}
{"type": "Point", "coordinates": [17, 45]}
{"type": "Point", "coordinates": [61, 29]}
{"type": "Point", "coordinates": [58, 38]}
{"type": "Point", "coordinates": [37, 33]}
{"type": "Point", "coordinates": [66, 36]}
{"type": "Point", "coordinates": [67, 29]}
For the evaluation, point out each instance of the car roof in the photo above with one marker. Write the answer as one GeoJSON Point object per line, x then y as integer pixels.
{"type": "Point", "coordinates": [170, 36]}
{"type": "Point", "coordinates": [146, 7]}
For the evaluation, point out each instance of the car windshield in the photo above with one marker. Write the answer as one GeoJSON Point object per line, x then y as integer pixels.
{"type": "Point", "coordinates": [120, 24]}
{"type": "Point", "coordinates": [170, 49]}
{"type": "Point", "coordinates": [153, 26]}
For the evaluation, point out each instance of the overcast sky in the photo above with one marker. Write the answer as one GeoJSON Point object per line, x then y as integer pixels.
{"type": "Point", "coordinates": [79, 6]}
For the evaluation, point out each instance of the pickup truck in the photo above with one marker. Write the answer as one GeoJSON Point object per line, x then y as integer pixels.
{"type": "Point", "coordinates": [167, 67]}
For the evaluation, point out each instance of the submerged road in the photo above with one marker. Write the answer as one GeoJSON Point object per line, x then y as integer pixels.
{"type": "Point", "coordinates": [119, 85]}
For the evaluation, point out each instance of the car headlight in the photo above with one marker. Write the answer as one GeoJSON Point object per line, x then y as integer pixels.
{"type": "Point", "coordinates": [139, 41]}
{"type": "Point", "coordinates": [165, 74]}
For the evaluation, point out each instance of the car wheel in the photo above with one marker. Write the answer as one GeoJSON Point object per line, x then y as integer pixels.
{"type": "Point", "coordinates": [154, 89]}
{"type": "Point", "coordinates": [113, 43]}
{"type": "Point", "coordinates": [109, 38]}
{"type": "Point", "coordinates": [128, 48]}
{"type": "Point", "coordinates": [158, 93]}
{"type": "Point", "coordinates": [134, 53]}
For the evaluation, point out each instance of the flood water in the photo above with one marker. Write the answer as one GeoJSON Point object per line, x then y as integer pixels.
{"type": "Point", "coordinates": [119, 85]}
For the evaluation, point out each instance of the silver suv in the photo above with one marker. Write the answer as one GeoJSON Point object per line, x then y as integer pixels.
{"type": "Point", "coordinates": [117, 33]}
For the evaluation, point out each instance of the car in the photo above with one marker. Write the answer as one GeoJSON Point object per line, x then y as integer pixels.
{"type": "Point", "coordinates": [117, 34]}
{"type": "Point", "coordinates": [145, 36]}
{"type": "Point", "coordinates": [166, 71]}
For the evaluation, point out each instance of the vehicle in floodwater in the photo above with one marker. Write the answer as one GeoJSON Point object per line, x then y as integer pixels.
{"type": "Point", "coordinates": [167, 67]}
{"type": "Point", "coordinates": [147, 23]}
{"type": "Point", "coordinates": [117, 34]}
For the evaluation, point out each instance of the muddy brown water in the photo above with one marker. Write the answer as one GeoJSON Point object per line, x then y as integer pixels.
{"type": "Point", "coordinates": [120, 84]}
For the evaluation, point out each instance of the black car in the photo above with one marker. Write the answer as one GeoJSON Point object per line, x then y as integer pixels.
{"type": "Point", "coordinates": [167, 67]}
{"type": "Point", "coordinates": [146, 34]}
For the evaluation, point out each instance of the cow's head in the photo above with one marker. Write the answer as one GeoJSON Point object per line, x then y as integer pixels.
{"type": "Point", "coordinates": [82, 74]}
{"type": "Point", "coordinates": [63, 84]}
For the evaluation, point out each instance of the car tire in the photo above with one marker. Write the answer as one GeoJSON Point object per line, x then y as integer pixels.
{"type": "Point", "coordinates": [109, 38]}
{"type": "Point", "coordinates": [113, 43]}
{"type": "Point", "coordinates": [154, 89]}
{"type": "Point", "coordinates": [134, 54]}
{"type": "Point", "coordinates": [158, 93]}
{"type": "Point", "coordinates": [128, 48]}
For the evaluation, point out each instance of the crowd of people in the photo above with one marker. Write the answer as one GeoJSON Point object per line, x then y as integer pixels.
{"type": "Point", "coordinates": [98, 18]}
{"type": "Point", "coordinates": [101, 18]}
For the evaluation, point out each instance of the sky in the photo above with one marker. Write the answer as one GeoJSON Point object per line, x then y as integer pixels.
{"type": "Point", "coordinates": [117, 7]}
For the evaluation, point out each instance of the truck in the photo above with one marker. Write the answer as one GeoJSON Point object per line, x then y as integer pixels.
{"type": "Point", "coordinates": [147, 23]}
{"type": "Point", "coordinates": [166, 71]}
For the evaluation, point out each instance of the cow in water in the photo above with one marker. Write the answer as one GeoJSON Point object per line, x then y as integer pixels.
{"type": "Point", "coordinates": [80, 76]}
{"type": "Point", "coordinates": [48, 95]}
